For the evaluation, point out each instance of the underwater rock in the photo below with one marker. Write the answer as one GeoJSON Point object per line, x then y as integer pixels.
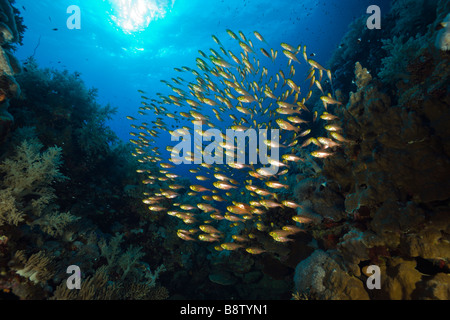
{"type": "Point", "coordinates": [265, 288]}
{"type": "Point", "coordinates": [305, 188]}
{"type": "Point", "coordinates": [240, 264]}
{"type": "Point", "coordinates": [306, 210]}
{"type": "Point", "coordinates": [14, 63]}
{"type": "Point", "coordinates": [9, 88]}
{"type": "Point", "coordinates": [223, 278]}
{"type": "Point", "coordinates": [431, 240]}
{"type": "Point", "coordinates": [392, 136]}
{"type": "Point", "coordinates": [364, 196]}
{"type": "Point", "coordinates": [354, 247]}
{"type": "Point", "coordinates": [400, 278]}
{"type": "Point", "coordinates": [321, 277]}
{"type": "Point", "coordinates": [327, 203]}
{"type": "Point", "coordinates": [394, 174]}
{"type": "Point", "coordinates": [275, 268]}
{"type": "Point", "coordinates": [435, 288]}
{"type": "Point", "coordinates": [252, 277]}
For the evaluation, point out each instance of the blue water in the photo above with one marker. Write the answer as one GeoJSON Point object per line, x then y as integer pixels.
{"type": "Point", "coordinates": [119, 61]}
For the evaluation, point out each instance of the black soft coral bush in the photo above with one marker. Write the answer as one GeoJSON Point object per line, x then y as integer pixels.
{"type": "Point", "coordinates": [65, 112]}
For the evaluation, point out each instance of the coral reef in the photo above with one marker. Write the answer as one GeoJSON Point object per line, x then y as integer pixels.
{"type": "Point", "coordinates": [393, 172]}
{"type": "Point", "coordinates": [70, 192]}
{"type": "Point", "coordinates": [26, 193]}
{"type": "Point", "coordinates": [68, 197]}
{"type": "Point", "coordinates": [11, 26]}
{"type": "Point", "coordinates": [37, 268]}
{"type": "Point", "coordinates": [11, 30]}
{"type": "Point", "coordinates": [29, 212]}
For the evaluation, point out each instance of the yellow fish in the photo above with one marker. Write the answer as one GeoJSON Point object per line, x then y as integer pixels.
{"type": "Point", "coordinates": [259, 36]}
{"type": "Point", "coordinates": [276, 185]}
{"type": "Point", "coordinates": [231, 246]}
{"type": "Point", "coordinates": [198, 188]}
{"type": "Point", "coordinates": [255, 250]}
{"type": "Point", "coordinates": [286, 125]}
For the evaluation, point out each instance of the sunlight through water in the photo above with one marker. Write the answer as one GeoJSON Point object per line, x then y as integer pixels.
{"type": "Point", "coordinates": [135, 15]}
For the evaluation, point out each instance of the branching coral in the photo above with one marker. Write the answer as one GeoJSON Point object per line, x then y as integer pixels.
{"type": "Point", "coordinates": [96, 127]}
{"type": "Point", "coordinates": [394, 66]}
{"type": "Point", "coordinates": [122, 277]}
{"type": "Point", "coordinates": [411, 16]}
{"type": "Point", "coordinates": [127, 260]}
{"type": "Point", "coordinates": [58, 101]}
{"type": "Point", "coordinates": [100, 287]}
{"type": "Point", "coordinates": [55, 223]}
{"type": "Point", "coordinates": [95, 287]}
{"type": "Point", "coordinates": [26, 192]}
{"type": "Point", "coordinates": [38, 268]}
{"type": "Point", "coordinates": [30, 171]}
{"type": "Point", "coordinates": [9, 212]}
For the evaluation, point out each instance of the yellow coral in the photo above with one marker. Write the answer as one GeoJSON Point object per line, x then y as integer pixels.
{"type": "Point", "coordinates": [25, 189]}
{"type": "Point", "coordinates": [38, 268]}
{"type": "Point", "coordinates": [363, 76]}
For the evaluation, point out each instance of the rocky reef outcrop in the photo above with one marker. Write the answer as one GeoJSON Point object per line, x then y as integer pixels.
{"type": "Point", "coordinates": [9, 66]}
{"type": "Point", "coordinates": [393, 172]}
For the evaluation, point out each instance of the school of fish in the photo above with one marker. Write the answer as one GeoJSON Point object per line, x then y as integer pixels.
{"type": "Point", "coordinates": [236, 90]}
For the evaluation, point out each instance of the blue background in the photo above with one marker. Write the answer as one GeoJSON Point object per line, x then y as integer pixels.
{"type": "Point", "coordinates": [119, 63]}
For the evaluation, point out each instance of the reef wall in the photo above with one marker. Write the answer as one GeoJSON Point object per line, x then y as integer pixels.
{"type": "Point", "coordinates": [67, 188]}
{"type": "Point", "coordinates": [9, 66]}
{"type": "Point", "coordinates": [393, 173]}
{"type": "Point", "coordinates": [70, 193]}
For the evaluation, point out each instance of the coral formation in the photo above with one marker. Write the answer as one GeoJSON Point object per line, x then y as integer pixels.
{"type": "Point", "coordinates": [28, 199]}
{"type": "Point", "coordinates": [37, 268]}
{"type": "Point", "coordinates": [321, 277]}
{"type": "Point", "coordinates": [394, 173]}
{"type": "Point", "coordinates": [11, 30]}
{"type": "Point", "coordinates": [66, 194]}
{"type": "Point", "coordinates": [70, 193]}
{"type": "Point", "coordinates": [26, 192]}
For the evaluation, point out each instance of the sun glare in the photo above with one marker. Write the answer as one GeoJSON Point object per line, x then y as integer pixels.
{"type": "Point", "coordinates": [135, 15]}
